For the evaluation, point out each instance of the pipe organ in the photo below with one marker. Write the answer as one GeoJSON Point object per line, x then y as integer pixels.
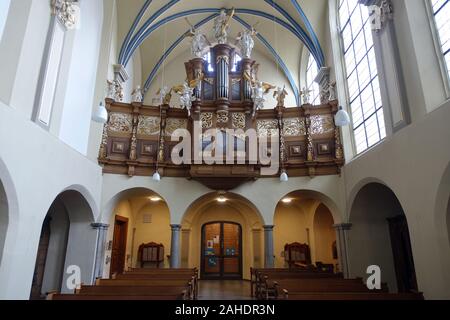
{"type": "Point", "coordinates": [138, 139]}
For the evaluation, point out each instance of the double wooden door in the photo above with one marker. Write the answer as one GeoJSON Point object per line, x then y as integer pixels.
{"type": "Point", "coordinates": [221, 256]}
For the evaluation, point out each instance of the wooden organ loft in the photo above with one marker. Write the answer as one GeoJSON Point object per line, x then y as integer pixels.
{"type": "Point", "coordinates": [137, 138]}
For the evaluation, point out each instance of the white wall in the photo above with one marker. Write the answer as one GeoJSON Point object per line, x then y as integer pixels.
{"type": "Point", "coordinates": [79, 96]}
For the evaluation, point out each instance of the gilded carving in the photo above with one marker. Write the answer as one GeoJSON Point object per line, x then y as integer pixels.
{"type": "Point", "coordinates": [222, 118]}
{"type": "Point", "coordinates": [294, 127]}
{"type": "Point", "coordinates": [339, 151]}
{"type": "Point", "coordinates": [120, 122]}
{"type": "Point", "coordinates": [104, 144]}
{"type": "Point", "coordinates": [206, 120]}
{"type": "Point", "coordinates": [238, 120]}
{"type": "Point", "coordinates": [223, 58]}
{"type": "Point", "coordinates": [267, 128]}
{"type": "Point", "coordinates": [149, 126]}
{"type": "Point", "coordinates": [173, 124]}
{"type": "Point", "coordinates": [322, 124]}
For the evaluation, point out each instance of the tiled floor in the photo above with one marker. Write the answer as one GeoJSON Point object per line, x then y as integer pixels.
{"type": "Point", "coordinates": [224, 290]}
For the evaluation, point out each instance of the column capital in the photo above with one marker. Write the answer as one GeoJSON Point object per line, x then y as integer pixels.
{"type": "Point", "coordinates": [98, 225]}
{"type": "Point", "coordinates": [380, 12]}
{"type": "Point", "coordinates": [120, 73]}
{"type": "Point", "coordinates": [175, 227]}
{"type": "Point", "coordinates": [67, 12]}
{"type": "Point", "coordinates": [268, 227]}
{"type": "Point", "coordinates": [343, 226]}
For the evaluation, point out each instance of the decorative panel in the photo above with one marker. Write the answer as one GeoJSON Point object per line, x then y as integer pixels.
{"type": "Point", "coordinates": [323, 124]}
{"type": "Point", "coordinates": [238, 120]}
{"type": "Point", "coordinates": [149, 126]}
{"type": "Point", "coordinates": [173, 124]}
{"type": "Point", "coordinates": [120, 122]}
{"type": "Point", "coordinates": [294, 127]}
{"type": "Point", "coordinates": [267, 128]}
{"type": "Point", "coordinates": [206, 119]}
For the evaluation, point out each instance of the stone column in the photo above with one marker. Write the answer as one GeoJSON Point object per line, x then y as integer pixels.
{"type": "Point", "coordinates": [342, 246]}
{"type": "Point", "coordinates": [102, 230]}
{"type": "Point", "coordinates": [175, 257]}
{"type": "Point", "coordinates": [392, 85]}
{"type": "Point", "coordinates": [269, 259]}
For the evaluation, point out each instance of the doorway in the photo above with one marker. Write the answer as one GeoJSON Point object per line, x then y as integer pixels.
{"type": "Point", "coordinates": [403, 258]}
{"type": "Point", "coordinates": [221, 256]}
{"type": "Point", "coordinates": [41, 258]}
{"type": "Point", "coordinates": [119, 245]}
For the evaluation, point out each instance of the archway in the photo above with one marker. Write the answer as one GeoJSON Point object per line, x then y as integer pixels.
{"type": "Point", "coordinates": [304, 217]}
{"type": "Point", "coordinates": [380, 236]}
{"type": "Point", "coordinates": [145, 216]}
{"type": "Point", "coordinates": [232, 210]}
{"type": "Point", "coordinates": [325, 247]}
{"type": "Point", "coordinates": [3, 218]}
{"type": "Point", "coordinates": [67, 239]}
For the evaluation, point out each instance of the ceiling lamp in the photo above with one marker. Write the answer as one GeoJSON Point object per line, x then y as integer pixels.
{"type": "Point", "coordinates": [286, 200]}
{"type": "Point", "coordinates": [100, 115]}
{"type": "Point", "coordinates": [284, 176]}
{"type": "Point", "coordinates": [155, 199]}
{"type": "Point", "coordinates": [222, 199]}
{"type": "Point", "coordinates": [342, 119]}
{"type": "Point", "coordinates": [156, 176]}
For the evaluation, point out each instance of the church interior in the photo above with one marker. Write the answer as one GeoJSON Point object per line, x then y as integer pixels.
{"type": "Point", "coordinates": [246, 150]}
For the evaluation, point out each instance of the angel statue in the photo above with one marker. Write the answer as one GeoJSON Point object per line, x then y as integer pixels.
{"type": "Point", "coordinates": [163, 96]}
{"type": "Point", "coordinates": [306, 95]}
{"type": "Point", "coordinates": [222, 26]}
{"type": "Point", "coordinates": [111, 90]}
{"type": "Point", "coordinates": [280, 94]}
{"type": "Point", "coordinates": [186, 93]}
{"type": "Point", "coordinates": [199, 41]}
{"type": "Point", "coordinates": [137, 95]}
{"type": "Point", "coordinates": [259, 90]}
{"type": "Point", "coordinates": [246, 42]}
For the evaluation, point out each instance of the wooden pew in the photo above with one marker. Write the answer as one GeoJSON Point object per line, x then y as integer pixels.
{"type": "Point", "coordinates": [260, 276]}
{"type": "Point", "coordinates": [351, 296]}
{"type": "Point", "coordinates": [161, 276]}
{"type": "Point", "coordinates": [75, 297]}
{"type": "Point", "coordinates": [131, 290]}
{"type": "Point", "coordinates": [190, 285]}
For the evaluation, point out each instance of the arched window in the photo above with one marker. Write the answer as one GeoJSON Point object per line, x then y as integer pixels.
{"type": "Point", "coordinates": [311, 73]}
{"type": "Point", "coordinates": [361, 74]}
{"type": "Point", "coordinates": [207, 58]}
{"type": "Point", "coordinates": [4, 9]}
{"type": "Point", "coordinates": [236, 59]}
{"type": "Point", "coordinates": [441, 12]}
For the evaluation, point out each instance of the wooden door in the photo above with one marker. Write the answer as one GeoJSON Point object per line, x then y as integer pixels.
{"type": "Point", "coordinates": [119, 245]}
{"type": "Point", "coordinates": [41, 258]}
{"type": "Point", "coordinates": [402, 251]}
{"type": "Point", "coordinates": [221, 251]}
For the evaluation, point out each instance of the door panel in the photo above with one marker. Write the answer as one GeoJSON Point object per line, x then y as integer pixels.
{"type": "Point", "coordinates": [119, 245]}
{"type": "Point", "coordinates": [221, 251]}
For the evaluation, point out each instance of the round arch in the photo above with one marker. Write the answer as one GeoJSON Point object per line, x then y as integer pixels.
{"type": "Point", "coordinates": [295, 221]}
{"type": "Point", "coordinates": [145, 216]}
{"type": "Point", "coordinates": [320, 197]}
{"type": "Point", "coordinates": [9, 206]}
{"type": "Point", "coordinates": [67, 239]}
{"type": "Point", "coordinates": [222, 207]}
{"type": "Point", "coordinates": [380, 236]}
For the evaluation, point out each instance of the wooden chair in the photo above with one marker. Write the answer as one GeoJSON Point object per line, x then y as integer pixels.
{"type": "Point", "coordinates": [151, 253]}
{"type": "Point", "coordinates": [297, 254]}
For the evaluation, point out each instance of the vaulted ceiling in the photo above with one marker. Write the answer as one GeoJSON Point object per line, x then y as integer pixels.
{"type": "Point", "coordinates": [285, 27]}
